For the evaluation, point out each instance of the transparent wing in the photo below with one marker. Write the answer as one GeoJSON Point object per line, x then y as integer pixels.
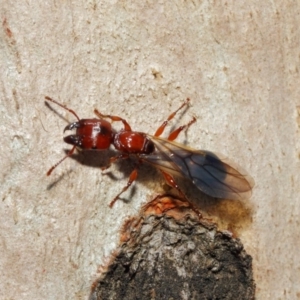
{"type": "Point", "coordinates": [213, 174]}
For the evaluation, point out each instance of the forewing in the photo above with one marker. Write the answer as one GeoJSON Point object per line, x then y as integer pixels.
{"type": "Point", "coordinates": [211, 173]}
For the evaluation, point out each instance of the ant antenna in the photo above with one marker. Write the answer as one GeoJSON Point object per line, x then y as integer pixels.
{"type": "Point", "coordinates": [63, 106]}
{"type": "Point", "coordinates": [68, 155]}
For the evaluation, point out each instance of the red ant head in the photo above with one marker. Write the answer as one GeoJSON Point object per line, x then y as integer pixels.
{"type": "Point", "coordinates": [91, 134]}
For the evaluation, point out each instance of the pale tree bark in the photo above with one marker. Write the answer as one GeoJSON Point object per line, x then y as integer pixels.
{"type": "Point", "coordinates": [239, 64]}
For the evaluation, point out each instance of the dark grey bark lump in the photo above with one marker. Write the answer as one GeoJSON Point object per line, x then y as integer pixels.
{"type": "Point", "coordinates": [169, 253]}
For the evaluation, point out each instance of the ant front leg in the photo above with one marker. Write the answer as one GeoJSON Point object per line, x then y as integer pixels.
{"type": "Point", "coordinates": [162, 127]}
{"type": "Point", "coordinates": [113, 118]}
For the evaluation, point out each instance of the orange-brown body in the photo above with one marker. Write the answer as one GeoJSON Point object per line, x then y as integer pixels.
{"type": "Point", "coordinates": [211, 173]}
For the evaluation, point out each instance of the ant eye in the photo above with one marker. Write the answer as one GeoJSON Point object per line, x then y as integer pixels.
{"type": "Point", "coordinates": [97, 129]}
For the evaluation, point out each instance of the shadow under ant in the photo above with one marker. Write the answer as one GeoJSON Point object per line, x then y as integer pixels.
{"type": "Point", "coordinates": [234, 214]}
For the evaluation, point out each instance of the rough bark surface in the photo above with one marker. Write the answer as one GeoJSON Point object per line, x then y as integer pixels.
{"type": "Point", "coordinates": [168, 253]}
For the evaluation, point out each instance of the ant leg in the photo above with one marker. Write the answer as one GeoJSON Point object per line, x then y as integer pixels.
{"type": "Point", "coordinates": [113, 159]}
{"type": "Point", "coordinates": [174, 134]}
{"type": "Point", "coordinates": [113, 118]}
{"type": "Point", "coordinates": [171, 181]}
{"type": "Point", "coordinates": [162, 127]}
{"type": "Point", "coordinates": [131, 179]}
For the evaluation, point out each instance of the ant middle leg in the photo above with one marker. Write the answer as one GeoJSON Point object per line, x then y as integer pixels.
{"type": "Point", "coordinates": [162, 127]}
{"type": "Point", "coordinates": [114, 159]}
{"type": "Point", "coordinates": [132, 178]}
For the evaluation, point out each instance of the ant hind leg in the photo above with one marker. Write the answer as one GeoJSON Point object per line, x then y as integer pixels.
{"type": "Point", "coordinates": [174, 134]}
{"type": "Point", "coordinates": [162, 127]}
{"type": "Point", "coordinates": [171, 181]}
